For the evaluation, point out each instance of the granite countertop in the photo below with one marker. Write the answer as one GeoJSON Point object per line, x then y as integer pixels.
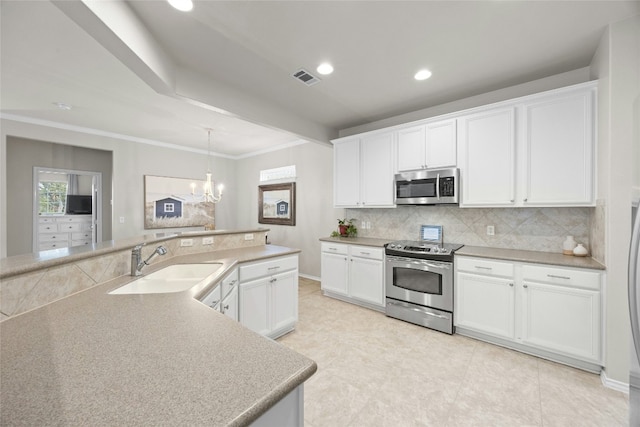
{"type": "Point", "coordinates": [531, 256]}
{"type": "Point", "coordinates": [152, 359]}
{"type": "Point", "coordinates": [362, 241]}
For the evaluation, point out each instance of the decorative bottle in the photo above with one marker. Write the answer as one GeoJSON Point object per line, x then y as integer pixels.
{"type": "Point", "coordinates": [580, 250]}
{"type": "Point", "coordinates": [568, 245]}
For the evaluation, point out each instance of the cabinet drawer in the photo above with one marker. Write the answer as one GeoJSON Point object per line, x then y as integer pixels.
{"type": "Point", "coordinates": [266, 268]}
{"type": "Point", "coordinates": [66, 219]}
{"type": "Point", "coordinates": [47, 228]}
{"type": "Point", "coordinates": [45, 246]}
{"type": "Point", "coordinates": [81, 236]}
{"type": "Point", "coordinates": [367, 252]}
{"type": "Point", "coordinates": [70, 227]}
{"type": "Point", "coordinates": [52, 237]}
{"type": "Point", "coordinates": [80, 242]}
{"type": "Point", "coordinates": [335, 248]}
{"type": "Point", "coordinates": [562, 276]}
{"type": "Point", "coordinates": [483, 266]}
{"type": "Point", "coordinates": [42, 220]}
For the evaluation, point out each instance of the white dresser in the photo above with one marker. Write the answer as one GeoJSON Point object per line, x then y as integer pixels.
{"type": "Point", "coordinates": [63, 231]}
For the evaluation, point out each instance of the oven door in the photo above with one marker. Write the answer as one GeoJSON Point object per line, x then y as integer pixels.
{"type": "Point", "coordinates": [423, 282]}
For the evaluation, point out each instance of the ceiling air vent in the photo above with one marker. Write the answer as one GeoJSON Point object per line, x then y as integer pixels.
{"type": "Point", "coordinates": [305, 77]}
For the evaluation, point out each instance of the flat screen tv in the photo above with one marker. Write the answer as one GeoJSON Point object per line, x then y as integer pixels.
{"type": "Point", "coordinates": [78, 205]}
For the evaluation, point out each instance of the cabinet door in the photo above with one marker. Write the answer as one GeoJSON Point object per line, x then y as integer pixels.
{"type": "Point", "coordinates": [559, 146]}
{"type": "Point", "coordinates": [441, 144]}
{"type": "Point", "coordinates": [334, 273]}
{"type": "Point", "coordinates": [254, 305]}
{"type": "Point", "coordinates": [485, 304]}
{"type": "Point", "coordinates": [230, 304]}
{"type": "Point", "coordinates": [562, 319]}
{"type": "Point", "coordinates": [346, 173]}
{"type": "Point", "coordinates": [487, 158]}
{"type": "Point", "coordinates": [412, 148]}
{"type": "Point", "coordinates": [376, 165]}
{"type": "Point", "coordinates": [366, 280]}
{"type": "Point", "coordinates": [284, 300]}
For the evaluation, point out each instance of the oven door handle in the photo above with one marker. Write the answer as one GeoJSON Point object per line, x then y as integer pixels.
{"type": "Point", "coordinates": [418, 310]}
{"type": "Point", "coordinates": [422, 263]}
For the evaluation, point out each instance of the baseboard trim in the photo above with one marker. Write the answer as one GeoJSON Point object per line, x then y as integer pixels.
{"type": "Point", "coordinates": [308, 276]}
{"type": "Point", "coordinates": [613, 384]}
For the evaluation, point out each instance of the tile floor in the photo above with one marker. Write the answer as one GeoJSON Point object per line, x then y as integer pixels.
{"type": "Point", "coordinates": [378, 371]}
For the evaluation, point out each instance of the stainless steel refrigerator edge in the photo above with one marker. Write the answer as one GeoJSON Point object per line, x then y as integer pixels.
{"type": "Point", "coordinates": [634, 311]}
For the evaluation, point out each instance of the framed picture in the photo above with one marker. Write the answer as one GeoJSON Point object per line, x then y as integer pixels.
{"type": "Point", "coordinates": [277, 204]}
{"type": "Point", "coordinates": [175, 202]}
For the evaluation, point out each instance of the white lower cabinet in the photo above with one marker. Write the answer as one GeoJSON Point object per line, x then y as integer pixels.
{"type": "Point", "coordinates": [268, 300]}
{"type": "Point", "coordinates": [486, 304]}
{"type": "Point", "coordinates": [553, 312]}
{"type": "Point", "coordinates": [353, 273]}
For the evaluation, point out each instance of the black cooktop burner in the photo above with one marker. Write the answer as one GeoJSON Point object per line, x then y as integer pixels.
{"type": "Point", "coordinates": [422, 250]}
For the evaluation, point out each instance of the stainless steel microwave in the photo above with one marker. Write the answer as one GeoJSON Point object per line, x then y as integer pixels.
{"type": "Point", "coordinates": [427, 187]}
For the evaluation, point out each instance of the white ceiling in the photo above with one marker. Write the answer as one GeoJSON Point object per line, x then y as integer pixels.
{"type": "Point", "coordinates": [146, 70]}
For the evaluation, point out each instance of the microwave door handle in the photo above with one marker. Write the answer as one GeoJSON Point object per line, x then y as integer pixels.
{"type": "Point", "coordinates": [438, 186]}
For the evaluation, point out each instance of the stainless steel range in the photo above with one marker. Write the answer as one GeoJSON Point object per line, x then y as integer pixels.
{"type": "Point", "coordinates": [419, 280]}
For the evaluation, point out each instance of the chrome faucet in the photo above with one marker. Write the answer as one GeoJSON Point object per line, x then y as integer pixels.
{"type": "Point", "coordinates": [136, 258]}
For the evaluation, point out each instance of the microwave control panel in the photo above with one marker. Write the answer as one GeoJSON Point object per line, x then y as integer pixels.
{"type": "Point", "coordinates": [447, 187]}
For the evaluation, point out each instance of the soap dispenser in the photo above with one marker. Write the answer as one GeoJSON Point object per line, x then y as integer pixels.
{"type": "Point", "coordinates": [568, 245]}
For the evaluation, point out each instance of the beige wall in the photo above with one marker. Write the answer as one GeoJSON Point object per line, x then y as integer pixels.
{"type": "Point", "coordinates": [131, 161]}
{"type": "Point", "coordinates": [315, 215]}
{"type": "Point", "coordinates": [617, 66]}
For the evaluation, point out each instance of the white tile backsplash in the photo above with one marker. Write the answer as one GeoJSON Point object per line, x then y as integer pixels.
{"type": "Point", "coordinates": [536, 229]}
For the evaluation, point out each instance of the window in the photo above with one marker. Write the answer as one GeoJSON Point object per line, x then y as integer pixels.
{"type": "Point", "coordinates": [169, 207]}
{"type": "Point", "coordinates": [52, 197]}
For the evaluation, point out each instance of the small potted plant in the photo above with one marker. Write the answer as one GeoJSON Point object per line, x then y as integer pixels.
{"type": "Point", "coordinates": [346, 228]}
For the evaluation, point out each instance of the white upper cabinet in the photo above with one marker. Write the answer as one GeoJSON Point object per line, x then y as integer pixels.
{"type": "Point", "coordinates": [346, 164]}
{"type": "Point", "coordinates": [432, 145]}
{"type": "Point", "coordinates": [558, 150]}
{"type": "Point", "coordinates": [487, 143]}
{"type": "Point", "coordinates": [537, 151]}
{"type": "Point", "coordinates": [363, 171]}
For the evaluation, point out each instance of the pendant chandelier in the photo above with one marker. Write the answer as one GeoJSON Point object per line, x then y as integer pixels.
{"type": "Point", "coordinates": [208, 194]}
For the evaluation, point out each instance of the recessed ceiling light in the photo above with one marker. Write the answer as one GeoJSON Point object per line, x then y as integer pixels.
{"type": "Point", "coordinates": [182, 5]}
{"type": "Point", "coordinates": [62, 106]}
{"type": "Point", "coordinates": [325, 68]}
{"type": "Point", "coordinates": [422, 75]}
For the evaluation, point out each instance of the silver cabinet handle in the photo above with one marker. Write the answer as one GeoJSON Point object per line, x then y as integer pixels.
{"type": "Point", "coordinates": [273, 279]}
{"type": "Point", "coordinates": [273, 268]}
{"type": "Point", "coordinates": [553, 276]}
{"type": "Point", "coordinates": [365, 253]}
{"type": "Point", "coordinates": [214, 303]}
{"type": "Point", "coordinates": [511, 284]}
{"type": "Point", "coordinates": [233, 282]}
{"type": "Point", "coordinates": [333, 249]}
{"type": "Point", "coordinates": [225, 307]}
{"type": "Point", "coordinates": [483, 268]}
{"type": "Point", "coordinates": [525, 200]}
{"type": "Point", "coordinates": [525, 286]}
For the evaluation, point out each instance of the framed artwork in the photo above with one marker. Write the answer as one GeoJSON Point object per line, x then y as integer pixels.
{"type": "Point", "coordinates": [175, 202]}
{"type": "Point", "coordinates": [277, 204]}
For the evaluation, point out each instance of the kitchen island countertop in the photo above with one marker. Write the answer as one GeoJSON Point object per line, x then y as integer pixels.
{"type": "Point", "coordinates": [153, 359]}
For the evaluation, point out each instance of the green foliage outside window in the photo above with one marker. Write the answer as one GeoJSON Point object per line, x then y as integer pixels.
{"type": "Point", "coordinates": [52, 196]}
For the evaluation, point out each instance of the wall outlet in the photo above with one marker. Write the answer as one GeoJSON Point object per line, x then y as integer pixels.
{"type": "Point", "coordinates": [121, 220]}
{"type": "Point", "coordinates": [248, 236]}
{"type": "Point", "coordinates": [207, 240]}
{"type": "Point", "coordinates": [186, 242]}
{"type": "Point", "coordinates": [368, 225]}
{"type": "Point", "coordinates": [491, 230]}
